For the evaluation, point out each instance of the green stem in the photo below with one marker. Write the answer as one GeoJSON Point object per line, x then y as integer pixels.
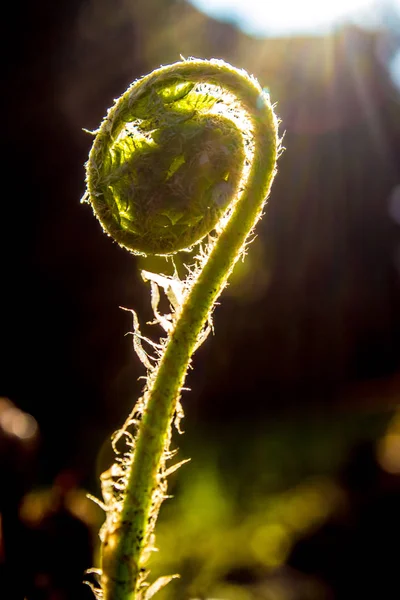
{"type": "Point", "coordinates": [124, 545]}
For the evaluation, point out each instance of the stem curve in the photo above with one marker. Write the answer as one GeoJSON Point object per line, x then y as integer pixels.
{"type": "Point", "coordinates": [128, 530]}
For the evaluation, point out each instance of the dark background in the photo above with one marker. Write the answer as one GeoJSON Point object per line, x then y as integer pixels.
{"type": "Point", "coordinates": [309, 329]}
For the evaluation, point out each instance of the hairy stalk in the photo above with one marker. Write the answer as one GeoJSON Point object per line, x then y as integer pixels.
{"type": "Point", "coordinates": [188, 151]}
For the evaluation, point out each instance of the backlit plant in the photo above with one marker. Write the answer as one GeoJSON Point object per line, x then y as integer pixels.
{"type": "Point", "coordinates": [184, 158]}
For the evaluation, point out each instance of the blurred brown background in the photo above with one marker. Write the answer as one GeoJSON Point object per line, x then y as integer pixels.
{"type": "Point", "coordinates": [305, 360]}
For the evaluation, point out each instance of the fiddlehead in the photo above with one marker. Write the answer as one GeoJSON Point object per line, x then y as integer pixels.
{"type": "Point", "coordinates": [188, 150]}
{"type": "Point", "coordinates": [164, 166]}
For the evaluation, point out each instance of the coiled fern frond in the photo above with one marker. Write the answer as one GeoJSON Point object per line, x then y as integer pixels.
{"type": "Point", "coordinates": [187, 155]}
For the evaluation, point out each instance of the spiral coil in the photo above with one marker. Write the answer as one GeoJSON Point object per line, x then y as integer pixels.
{"type": "Point", "coordinates": [165, 165]}
{"type": "Point", "coordinates": [188, 149]}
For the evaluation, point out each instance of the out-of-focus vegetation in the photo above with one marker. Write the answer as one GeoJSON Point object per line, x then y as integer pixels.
{"type": "Point", "coordinates": [244, 500]}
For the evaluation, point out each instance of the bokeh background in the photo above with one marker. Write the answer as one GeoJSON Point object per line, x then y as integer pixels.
{"type": "Point", "coordinates": [292, 492]}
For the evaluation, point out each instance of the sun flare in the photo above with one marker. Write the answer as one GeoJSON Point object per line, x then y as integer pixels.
{"type": "Point", "coordinates": [283, 16]}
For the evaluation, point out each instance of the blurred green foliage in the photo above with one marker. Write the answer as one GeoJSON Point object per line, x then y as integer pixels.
{"type": "Point", "coordinates": [247, 496]}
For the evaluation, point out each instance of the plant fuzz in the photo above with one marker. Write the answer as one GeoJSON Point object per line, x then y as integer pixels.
{"type": "Point", "coordinates": [185, 157]}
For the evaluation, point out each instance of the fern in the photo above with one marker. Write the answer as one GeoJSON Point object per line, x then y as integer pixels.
{"type": "Point", "coordinates": [185, 157]}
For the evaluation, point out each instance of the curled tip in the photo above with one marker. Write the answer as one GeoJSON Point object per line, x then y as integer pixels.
{"type": "Point", "coordinates": [167, 161]}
